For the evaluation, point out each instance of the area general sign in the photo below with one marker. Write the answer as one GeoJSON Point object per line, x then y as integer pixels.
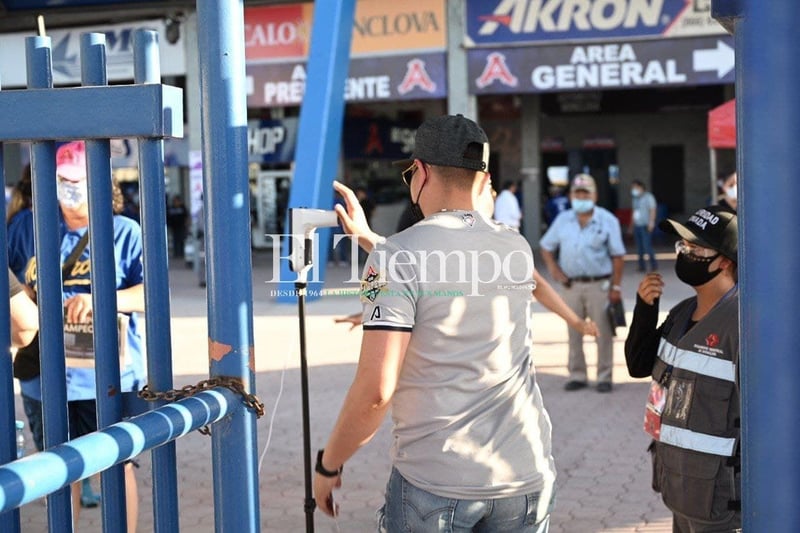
{"type": "Point", "coordinates": [614, 65]}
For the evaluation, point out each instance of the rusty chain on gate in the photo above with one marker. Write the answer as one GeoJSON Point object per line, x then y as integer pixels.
{"type": "Point", "coordinates": [235, 384]}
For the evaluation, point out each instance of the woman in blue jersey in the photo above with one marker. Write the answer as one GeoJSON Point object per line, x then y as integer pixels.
{"type": "Point", "coordinates": [77, 299]}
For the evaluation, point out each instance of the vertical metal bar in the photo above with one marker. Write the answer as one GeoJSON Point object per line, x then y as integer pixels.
{"type": "Point", "coordinates": [227, 213]}
{"type": "Point", "coordinates": [47, 234]}
{"type": "Point", "coordinates": [768, 126]}
{"type": "Point", "coordinates": [8, 450]}
{"type": "Point", "coordinates": [147, 69]}
{"type": "Point", "coordinates": [319, 134]}
{"type": "Point", "coordinates": [104, 285]}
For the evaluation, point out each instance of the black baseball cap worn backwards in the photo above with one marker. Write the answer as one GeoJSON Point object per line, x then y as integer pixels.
{"type": "Point", "coordinates": [714, 227]}
{"type": "Point", "coordinates": [450, 141]}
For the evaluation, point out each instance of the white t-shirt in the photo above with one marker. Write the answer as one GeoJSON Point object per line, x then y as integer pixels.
{"type": "Point", "coordinates": [506, 209]}
{"type": "Point", "coordinates": [469, 422]}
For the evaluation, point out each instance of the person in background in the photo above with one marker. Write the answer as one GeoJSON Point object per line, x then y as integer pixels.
{"type": "Point", "coordinates": [590, 263]}
{"type": "Point", "coordinates": [23, 312]}
{"type": "Point", "coordinates": [556, 203]}
{"type": "Point", "coordinates": [692, 411]}
{"type": "Point", "coordinates": [506, 206]}
{"type": "Point", "coordinates": [457, 387]}
{"type": "Point", "coordinates": [177, 218]}
{"type": "Point", "coordinates": [728, 192]}
{"type": "Point", "coordinates": [21, 196]}
{"type": "Point", "coordinates": [72, 191]}
{"type": "Point", "coordinates": [643, 222]}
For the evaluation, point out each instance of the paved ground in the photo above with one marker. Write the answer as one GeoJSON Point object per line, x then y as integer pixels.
{"type": "Point", "coordinates": [599, 447]}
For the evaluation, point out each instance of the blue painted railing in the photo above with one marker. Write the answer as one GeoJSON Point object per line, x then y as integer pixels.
{"type": "Point", "coordinates": [150, 112]}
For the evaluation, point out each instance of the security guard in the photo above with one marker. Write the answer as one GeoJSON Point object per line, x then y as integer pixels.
{"type": "Point", "coordinates": [693, 412]}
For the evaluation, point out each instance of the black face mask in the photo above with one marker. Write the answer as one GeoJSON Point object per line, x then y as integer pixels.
{"type": "Point", "coordinates": [693, 270]}
{"type": "Point", "coordinates": [416, 211]}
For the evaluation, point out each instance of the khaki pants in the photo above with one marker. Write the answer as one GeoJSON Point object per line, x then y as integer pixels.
{"type": "Point", "coordinates": [590, 300]}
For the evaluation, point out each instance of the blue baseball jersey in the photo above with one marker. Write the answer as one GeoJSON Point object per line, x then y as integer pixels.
{"type": "Point", "coordinates": [129, 272]}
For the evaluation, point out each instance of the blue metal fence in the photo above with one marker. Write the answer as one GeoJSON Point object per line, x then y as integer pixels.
{"type": "Point", "coordinates": [148, 111]}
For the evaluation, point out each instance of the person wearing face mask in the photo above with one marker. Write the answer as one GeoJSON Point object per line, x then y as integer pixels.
{"type": "Point", "coordinates": [588, 240]}
{"type": "Point", "coordinates": [692, 411]}
{"type": "Point", "coordinates": [728, 192]}
{"type": "Point", "coordinates": [643, 221]}
{"type": "Point", "coordinates": [72, 193]}
{"type": "Point", "coordinates": [447, 347]}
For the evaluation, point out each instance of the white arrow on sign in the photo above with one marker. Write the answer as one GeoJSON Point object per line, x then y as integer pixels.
{"type": "Point", "coordinates": [720, 59]}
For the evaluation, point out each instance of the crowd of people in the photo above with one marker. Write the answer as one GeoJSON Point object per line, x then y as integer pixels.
{"type": "Point", "coordinates": [471, 437]}
{"type": "Point", "coordinates": [471, 440]}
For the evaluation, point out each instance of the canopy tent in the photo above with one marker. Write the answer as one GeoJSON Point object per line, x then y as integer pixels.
{"type": "Point", "coordinates": [721, 135]}
{"type": "Point", "coordinates": [722, 126]}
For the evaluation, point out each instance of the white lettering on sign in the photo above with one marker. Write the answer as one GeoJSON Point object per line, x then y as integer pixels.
{"type": "Point", "coordinates": [367, 87]}
{"type": "Point", "coordinates": [605, 53]}
{"type": "Point", "coordinates": [528, 16]}
{"type": "Point", "coordinates": [403, 136]}
{"type": "Point", "coordinates": [284, 92]}
{"type": "Point", "coordinates": [292, 92]}
{"type": "Point", "coordinates": [262, 141]}
{"type": "Point", "coordinates": [287, 92]}
{"type": "Point", "coordinates": [609, 65]}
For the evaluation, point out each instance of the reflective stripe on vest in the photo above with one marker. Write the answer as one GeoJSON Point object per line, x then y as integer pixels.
{"type": "Point", "coordinates": [696, 362]}
{"type": "Point", "coordinates": [692, 440]}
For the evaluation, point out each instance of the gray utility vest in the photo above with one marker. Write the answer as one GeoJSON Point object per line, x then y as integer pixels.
{"type": "Point", "coordinates": [696, 460]}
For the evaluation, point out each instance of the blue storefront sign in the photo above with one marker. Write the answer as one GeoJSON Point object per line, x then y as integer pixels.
{"type": "Point", "coordinates": [371, 79]}
{"type": "Point", "coordinates": [275, 141]}
{"type": "Point", "coordinates": [271, 141]}
{"type": "Point", "coordinates": [502, 22]}
{"type": "Point", "coordinates": [378, 139]}
{"type": "Point", "coordinates": [611, 65]}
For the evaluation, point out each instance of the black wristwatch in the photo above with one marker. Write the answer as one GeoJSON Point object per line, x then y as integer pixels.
{"type": "Point", "coordinates": [319, 469]}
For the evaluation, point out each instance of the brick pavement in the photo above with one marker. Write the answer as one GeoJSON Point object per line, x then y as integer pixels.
{"type": "Point", "coordinates": [603, 469]}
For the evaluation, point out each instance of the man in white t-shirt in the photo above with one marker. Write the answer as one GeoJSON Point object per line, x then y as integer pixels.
{"type": "Point", "coordinates": [447, 344]}
{"type": "Point", "coordinates": [506, 206]}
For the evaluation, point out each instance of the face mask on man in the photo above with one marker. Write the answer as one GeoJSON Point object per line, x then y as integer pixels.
{"type": "Point", "coordinates": [582, 205]}
{"type": "Point", "coordinates": [693, 270]}
{"type": "Point", "coordinates": [730, 192]}
{"type": "Point", "coordinates": [636, 193]}
{"type": "Point", "coordinates": [71, 194]}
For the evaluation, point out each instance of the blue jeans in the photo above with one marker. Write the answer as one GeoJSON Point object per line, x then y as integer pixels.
{"type": "Point", "coordinates": [644, 245]}
{"type": "Point", "coordinates": [81, 415]}
{"type": "Point", "coordinates": [410, 509]}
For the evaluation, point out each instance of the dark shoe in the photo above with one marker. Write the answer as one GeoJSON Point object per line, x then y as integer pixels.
{"type": "Point", "coordinates": [604, 386]}
{"type": "Point", "coordinates": [575, 385]}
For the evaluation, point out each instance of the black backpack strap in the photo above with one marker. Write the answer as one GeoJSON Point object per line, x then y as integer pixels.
{"type": "Point", "coordinates": [74, 255]}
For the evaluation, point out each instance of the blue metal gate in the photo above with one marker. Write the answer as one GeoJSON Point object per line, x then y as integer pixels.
{"type": "Point", "coordinates": [150, 112]}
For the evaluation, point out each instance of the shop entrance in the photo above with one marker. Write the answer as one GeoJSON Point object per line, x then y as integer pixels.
{"type": "Point", "coordinates": [668, 175]}
{"type": "Point", "coordinates": [270, 191]}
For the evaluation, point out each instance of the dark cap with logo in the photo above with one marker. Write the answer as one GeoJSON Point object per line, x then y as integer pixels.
{"type": "Point", "coordinates": [714, 227]}
{"type": "Point", "coordinates": [450, 141]}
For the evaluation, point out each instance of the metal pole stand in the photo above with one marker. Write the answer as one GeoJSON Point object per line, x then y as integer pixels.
{"type": "Point", "coordinates": [310, 505]}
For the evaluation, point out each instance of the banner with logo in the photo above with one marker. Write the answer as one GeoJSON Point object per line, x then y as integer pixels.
{"type": "Point", "coordinates": [670, 62]}
{"type": "Point", "coordinates": [400, 77]}
{"type": "Point", "coordinates": [66, 47]}
{"type": "Point", "coordinates": [378, 138]}
{"type": "Point", "coordinates": [271, 141]}
{"type": "Point", "coordinates": [502, 22]}
{"type": "Point", "coordinates": [275, 33]}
